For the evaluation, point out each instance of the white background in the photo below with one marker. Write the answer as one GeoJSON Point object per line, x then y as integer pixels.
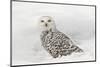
{"type": "Point", "coordinates": [5, 33]}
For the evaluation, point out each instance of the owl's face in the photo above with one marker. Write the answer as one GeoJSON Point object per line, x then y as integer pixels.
{"type": "Point", "coordinates": [46, 23]}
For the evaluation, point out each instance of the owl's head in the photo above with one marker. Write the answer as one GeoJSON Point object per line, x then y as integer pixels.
{"type": "Point", "coordinates": [47, 23]}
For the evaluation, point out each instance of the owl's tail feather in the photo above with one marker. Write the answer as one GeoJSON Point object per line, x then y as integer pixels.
{"type": "Point", "coordinates": [71, 50]}
{"type": "Point", "coordinates": [75, 49]}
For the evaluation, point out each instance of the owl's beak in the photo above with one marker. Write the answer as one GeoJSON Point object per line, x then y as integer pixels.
{"type": "Point", "coordinates": [46, 25]}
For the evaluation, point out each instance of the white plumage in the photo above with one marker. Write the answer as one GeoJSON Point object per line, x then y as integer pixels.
{"type": "Point", "coordinates": [55, 42]}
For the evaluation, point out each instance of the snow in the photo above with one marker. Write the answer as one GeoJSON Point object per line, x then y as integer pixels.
{"type": "Point", "coordinates": [78, 22]}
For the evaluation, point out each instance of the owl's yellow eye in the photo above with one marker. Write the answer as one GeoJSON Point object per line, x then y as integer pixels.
{"type": "Point", "coordinates": [42, 20]}
{"type": "Point", "coordinates": [49, 20]}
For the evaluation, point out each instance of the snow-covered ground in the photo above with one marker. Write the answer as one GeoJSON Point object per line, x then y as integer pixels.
{"type": "Point", "coordinates": [78, 22]}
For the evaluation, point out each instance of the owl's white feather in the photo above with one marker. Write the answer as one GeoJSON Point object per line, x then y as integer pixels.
{"type": "Point", "coordinates": [55, 42]}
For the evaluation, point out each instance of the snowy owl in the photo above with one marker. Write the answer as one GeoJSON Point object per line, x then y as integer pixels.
{"type": "Point", "coordinates": [56, 43]}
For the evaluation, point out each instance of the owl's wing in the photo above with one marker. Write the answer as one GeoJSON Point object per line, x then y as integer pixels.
{"type": "Point", "coordinates": [68, 46]}
{"type": "Point", "coordinates": [57, 43]}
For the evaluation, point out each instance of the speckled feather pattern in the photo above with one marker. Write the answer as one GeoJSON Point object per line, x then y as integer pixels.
{"type": "Point", "coordinates": [58, 44]}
